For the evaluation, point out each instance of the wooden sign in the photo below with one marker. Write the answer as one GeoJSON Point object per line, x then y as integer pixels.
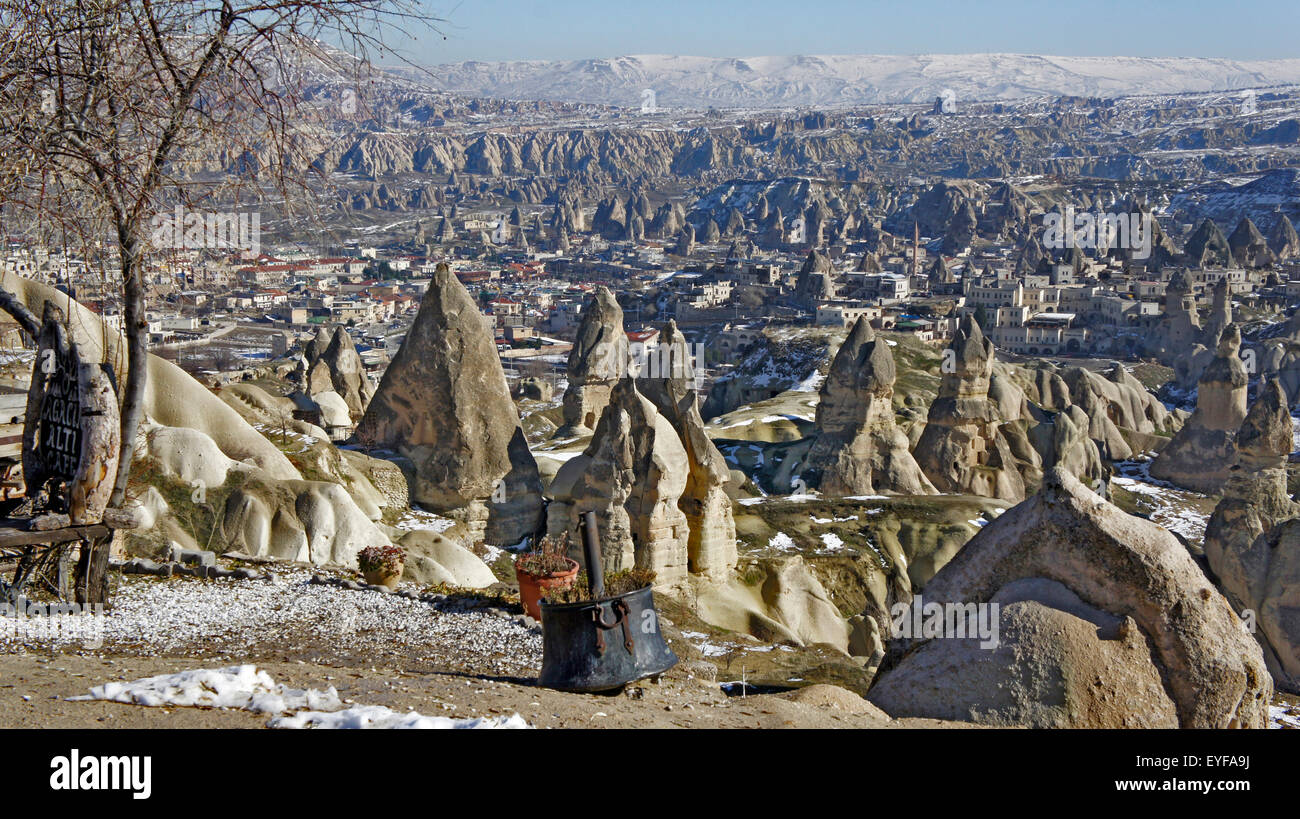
{"type": "Point", "coordinates": [71, 435]}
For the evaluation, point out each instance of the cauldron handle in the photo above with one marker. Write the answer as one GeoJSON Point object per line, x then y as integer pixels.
{"type": "Point", "coordinates": [621, 614]}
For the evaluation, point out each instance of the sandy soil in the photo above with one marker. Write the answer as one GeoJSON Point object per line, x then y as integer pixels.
{"type": "Point", "coordinates": [35, 687]}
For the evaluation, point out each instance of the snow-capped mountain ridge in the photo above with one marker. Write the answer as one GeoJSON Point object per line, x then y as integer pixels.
{"type": "Point", "coordinates": [837, 80]}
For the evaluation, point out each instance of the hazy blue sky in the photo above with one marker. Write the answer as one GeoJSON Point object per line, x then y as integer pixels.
{"type": "Point", "coordinates": [571, 29]}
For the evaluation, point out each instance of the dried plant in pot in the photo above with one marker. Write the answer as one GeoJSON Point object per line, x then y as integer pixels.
{"type": "Point", "coordinates": [382, 565]}
{"type": "Point", "coordinates": [601, 640]}
{"type": "Point", "coordinates": [617, 584]}
{"type": "Point", "coordinates": [545, 568]}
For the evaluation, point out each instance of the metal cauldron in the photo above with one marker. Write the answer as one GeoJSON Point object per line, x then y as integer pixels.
{"type": "Point", "coordinates": [604, 643]}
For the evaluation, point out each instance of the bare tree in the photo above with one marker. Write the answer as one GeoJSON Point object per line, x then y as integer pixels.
{"type": "Point", "coordinates": [115, 112]}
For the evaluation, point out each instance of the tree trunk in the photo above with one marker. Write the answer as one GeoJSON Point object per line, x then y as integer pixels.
{"type": "Point", "coordinates": [137, 356]}
{"type": "Point", "coordinates": [90, 581]}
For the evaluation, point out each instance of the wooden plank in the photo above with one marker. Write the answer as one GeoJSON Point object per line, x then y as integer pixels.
{"type": "Point", "coordinates": [11, 536]}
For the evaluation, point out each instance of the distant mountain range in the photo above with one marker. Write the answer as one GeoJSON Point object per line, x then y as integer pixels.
{"type": "Point", "coordinates": [831, 81]}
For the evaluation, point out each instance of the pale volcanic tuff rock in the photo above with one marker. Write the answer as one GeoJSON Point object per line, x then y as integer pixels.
{"type": "Point", "coordinates": [858, 449]}
{"type": "Point", "coordinates": [633, 475]}
{"type": "Point", "coordinates": [711, 547]}
{"type": "Point", "coordinates": [1073, 450]}
{"type": "Point", "coordinates": [1058, 663]}
{"type": "Point", "coordinates": [1282, 239]}
{"type": "Point", "coordinates": [1117, 407]}
{"type": "Point", "coordinates": [1203, 451]}
{"type": "Point", "coordinates": [1249, 247]}
{"type": "Point", "coordinates": [816, 279]}
{"type": "Point", "coordinates": [331, 362]}
{"type": "Point", "coordinates": [1208, 247]}
{"type": "Point", "coordinates": [444, 405]}
{"type": "Point", "coordinates": [1180, 326]}
{"type": "Point", "coordinates": [1252, 541]}
{"type": "Point", "coordinates": [310, 521]}
{"type": "Point", "coordinates": [1105, 621]}
{"type": "Point", "coordinates": [961, 448]}
{"type": "Point", "coordinates": [1190, 363]}
{"type": "Point", "coordinates": [1220, 309]}
{"type": "Point", "coordinates": [598, 360]}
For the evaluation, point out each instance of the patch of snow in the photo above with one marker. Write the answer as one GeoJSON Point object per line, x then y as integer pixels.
{"type": "Point", "coordinates": [832, 541]}
{"type": "Point", "coordinates": [414, 520]}
{"type": "Point", "coordinates": [1173, 508]}
{"type": "Point", "coordinates": [378, 716]}
{"type": "Point", "coordinates": [1283, 716]}
{"type": "Point", "coordinates": [243, 687]}
{"type": "Point", "coordinates": [782, 541]}
{"type": "Point", "coordinates": [812, 383]}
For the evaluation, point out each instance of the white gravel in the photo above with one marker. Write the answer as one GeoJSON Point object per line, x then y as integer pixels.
{"type": "Point", "coordinates": [236, 618]}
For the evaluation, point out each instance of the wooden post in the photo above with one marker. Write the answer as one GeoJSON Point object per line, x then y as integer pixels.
{"type": "Point", "coordinates": [90, 582]}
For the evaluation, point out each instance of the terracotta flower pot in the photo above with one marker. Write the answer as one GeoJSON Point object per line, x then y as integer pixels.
{"type": "Point", "coordinates": [531, 586]}
{"type": "Point", "coordinates": [385, 577]}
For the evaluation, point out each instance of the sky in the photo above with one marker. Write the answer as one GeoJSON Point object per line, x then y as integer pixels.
{"type": "Point", "coordinates": [495, 30]}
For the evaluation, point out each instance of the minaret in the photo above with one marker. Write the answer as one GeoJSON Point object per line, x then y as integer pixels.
{"type": "Point", "coordinates": [916, 249]}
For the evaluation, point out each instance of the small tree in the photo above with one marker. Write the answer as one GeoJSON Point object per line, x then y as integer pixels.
{"type": "Point", "coordinates": [113, 112]}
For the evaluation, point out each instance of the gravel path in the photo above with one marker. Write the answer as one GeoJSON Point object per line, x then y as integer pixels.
{"type": "Point", "coordinates": [288, 617]}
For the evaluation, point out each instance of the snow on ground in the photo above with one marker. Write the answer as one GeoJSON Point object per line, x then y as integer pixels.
{"type": "Point", "coordinates": [812, 383]}
{"type": "Point", "coordinates": [796, 498]}
{"type": "Point", "coordinates": [283, 437]}
{"type": "Point", "coordinates": [1173, 508]}
{"type": "Point", "coordinates": [711, 649]}
{"type": "Point", "coordinates": [832, 542]}
{"type": "Point", "coordinates": [824, 521]}
{"type": "Point", "coordinates": [557, 456]}
{"type": "Point", "coordinates": [378, 716]}
{"type": "Point", "coordinates": [782, 542]}
{"type": "Point", "coordinates": [245, 687]}
{"type": "Point", "coordinates": [1283, 716]}
{"type": "Point", "coordinates": [225, 617]}
{"type": "Point", "coordinates": [419, 520]}
{"type": "Point", "coordinates": [248, 688]}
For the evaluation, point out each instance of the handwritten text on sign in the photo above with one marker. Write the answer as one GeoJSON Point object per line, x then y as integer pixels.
{"type": "Point", "coordinates": [58, 447]}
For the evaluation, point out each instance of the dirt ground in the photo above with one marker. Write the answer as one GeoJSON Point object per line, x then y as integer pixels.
{"type": "Point", "coordinates": [35, 687]}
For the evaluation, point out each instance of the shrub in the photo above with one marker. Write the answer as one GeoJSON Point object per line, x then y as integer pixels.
{"type": "Point", "coordinates": [550, 557]}
{"type": "Point", "coordinates": [616, 583]}
{"type": "Point", "coordinates": [381, 558]}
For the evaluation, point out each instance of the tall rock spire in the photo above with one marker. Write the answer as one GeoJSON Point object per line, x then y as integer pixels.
{"type": "Point", "coordinates": [443, 404]}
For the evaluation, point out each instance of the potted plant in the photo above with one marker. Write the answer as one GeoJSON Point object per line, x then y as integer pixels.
{"type": "Point", "coordinates": [546, 567]}
{"type": "Point", "coordinates": [382, 565]}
